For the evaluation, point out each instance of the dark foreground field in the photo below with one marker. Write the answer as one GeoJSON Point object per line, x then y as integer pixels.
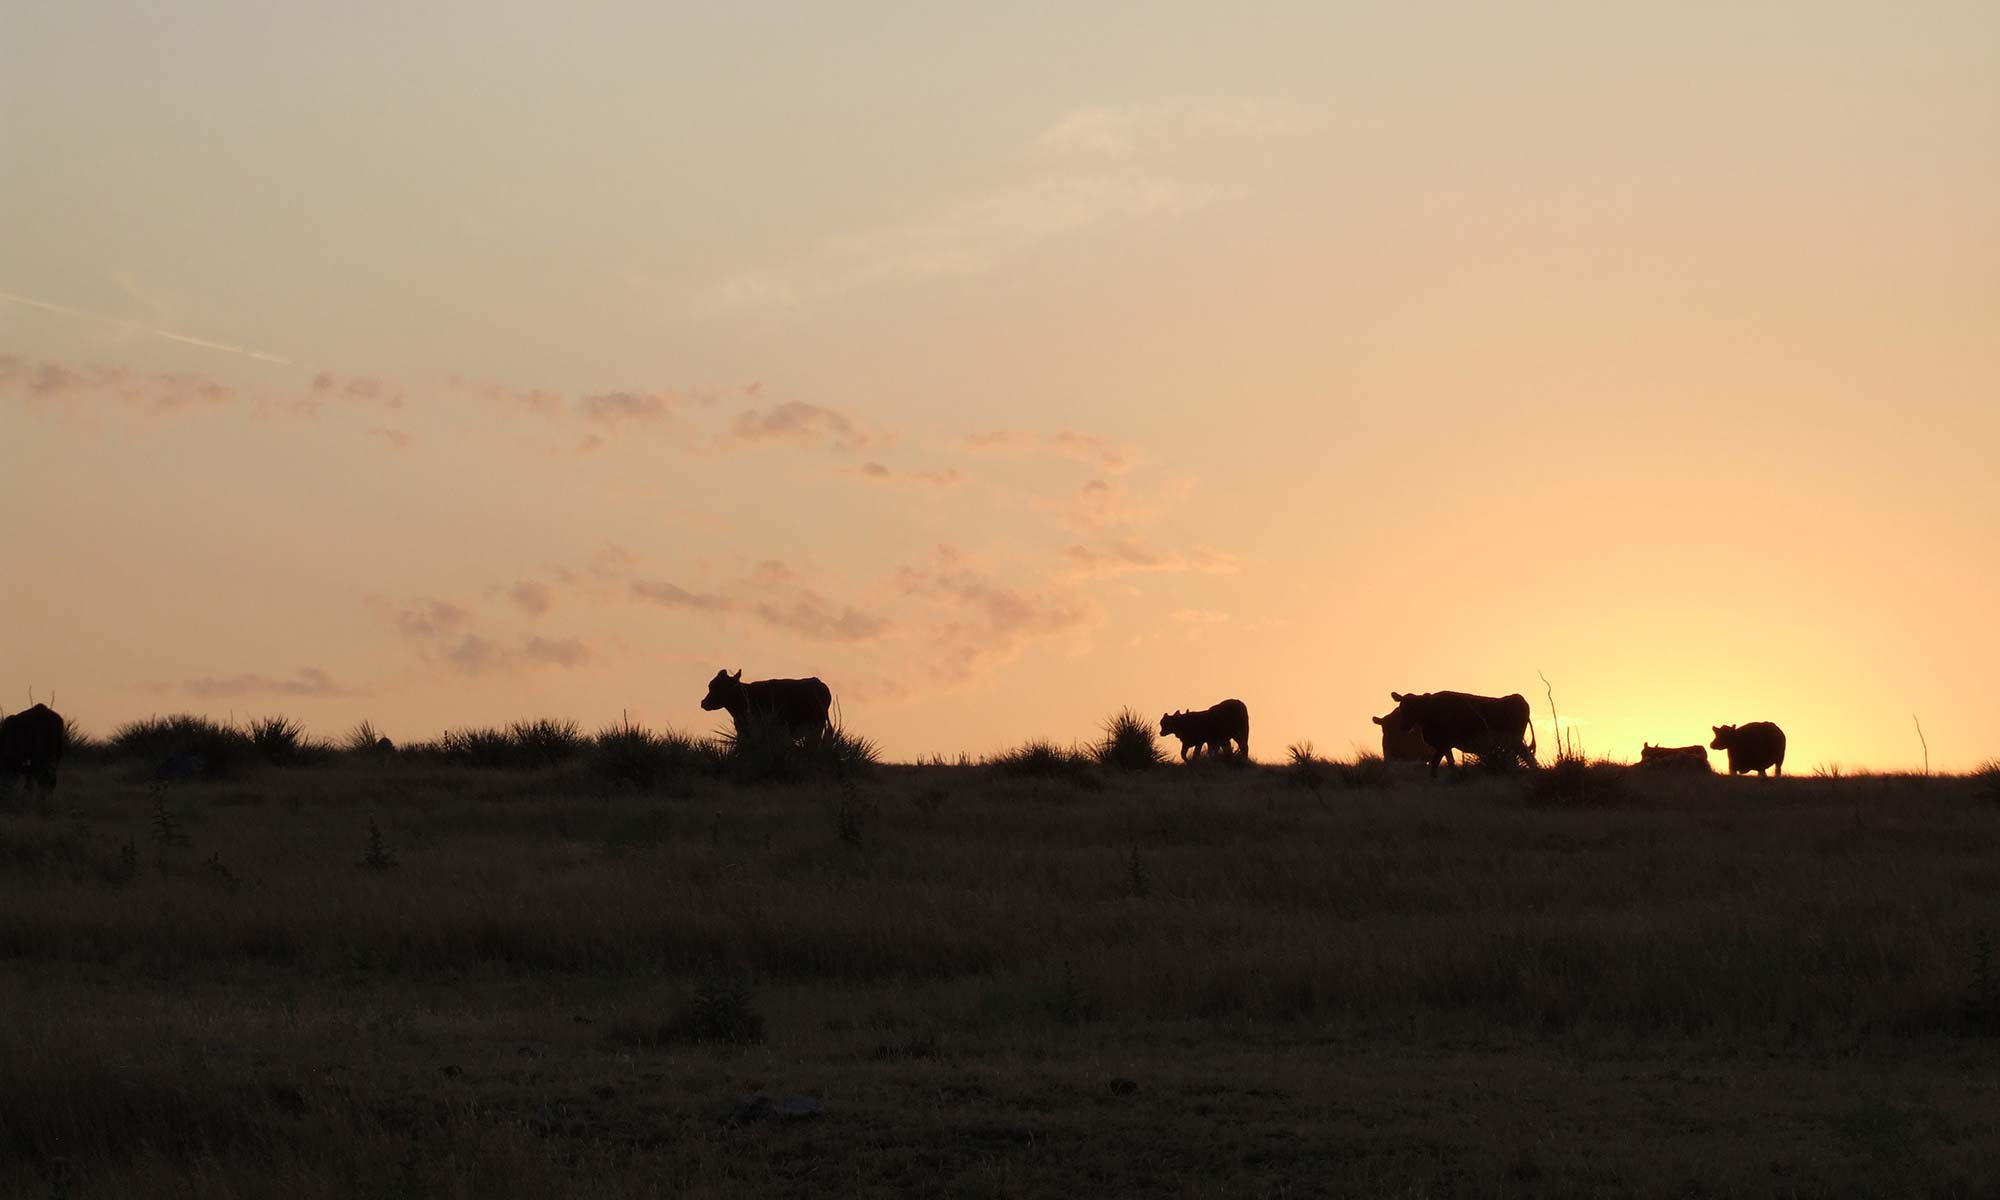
{"type": "Point", "coordinates": [956, 981]}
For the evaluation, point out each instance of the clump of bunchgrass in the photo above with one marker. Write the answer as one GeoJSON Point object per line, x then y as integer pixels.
{"type": "Point", "coordinates": [280, 741]}
{"type": "Point", "coordinates": [364, 738]}
{"type": "Point", "coordinates": [182, 746]}
{"type": "Point", "coordinates": [1306, 768]}
{"type": "Point", "coordinates": [1128, 743]}
{"type": "Point", "coordinates": [547, 742]}
{"type": "Point", "coordinates": [1368, 770]}
{"type": "Point", "coordinates": [1043, 759]}
{"type": "Point", "coordinates": [489, 749]}
{"type": "Point", "coordinates": [639, 757]}
{"type": "Point", "coordinates": [1986, 780]}
{"type": "Point", "coordinates": [769, 752]}
{"type": "Point", "coordinates": [720, 1012]}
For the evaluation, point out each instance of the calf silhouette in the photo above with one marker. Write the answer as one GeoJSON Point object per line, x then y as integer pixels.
{"type": "Point", "coordinates": [1673, 758]}
{"type": "Point", "coordinates": [1211, 729]}
{"type": "Point", "coordinates": [1751, 747]}
{"type": "Point", "coordinates": [792, 709]}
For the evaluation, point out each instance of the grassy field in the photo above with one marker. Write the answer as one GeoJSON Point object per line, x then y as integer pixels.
{"type": "Point", "coordinates": [397, 976]}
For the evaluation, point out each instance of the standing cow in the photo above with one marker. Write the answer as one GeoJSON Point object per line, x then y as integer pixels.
{"type": "Point", "coordinates": [1213, 728]}
{"type": "Point", "coordinates": [31, 746]}
{"type": "Point", "coordinates": [1751, 747]}
{"type": "Point", "coordinates": [794, 709]}
{"type": "Point", "coordinates": [1491, 727]}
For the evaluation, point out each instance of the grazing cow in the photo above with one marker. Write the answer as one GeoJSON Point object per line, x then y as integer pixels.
{"type": "Point", "coordinates": [1751, 747]}
{"type": "Point", "coordinates": [1211, 729]}
{"type": "Point", "coordinates": [1673, 758]}
{"type": "Point", "coordinates": [31, 746]}
{"type": "Point", "coordinates": [1488, 726]}
{"type": "Point", "coordinates": [1403, 745]}
{"type": "Point", "coordinates": [795, 709]}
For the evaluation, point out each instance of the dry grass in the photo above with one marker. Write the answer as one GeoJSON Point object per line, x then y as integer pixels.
{"type": "Point", "coordinates": [565, 982]}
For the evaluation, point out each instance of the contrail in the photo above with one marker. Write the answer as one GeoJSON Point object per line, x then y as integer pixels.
{"type": "Point", "coordinates": [170, 335]}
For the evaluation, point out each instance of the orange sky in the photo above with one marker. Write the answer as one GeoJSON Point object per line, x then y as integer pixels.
{"type": "Point", "coordinates": [1005, 369]}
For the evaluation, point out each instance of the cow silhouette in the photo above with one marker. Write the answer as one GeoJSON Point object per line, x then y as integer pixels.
{"type": "Point", "coordinates": [1211, 729]}
{"type": "Point", "coordinates": [31, 746]}
{"type": "Point", "coordinates": [1492, 727]}
{"type": "Point", "coordinates": [1673, 758]}
{"type": "Point", "coordinates": [1751, 747]}
{"type": "Point", "coordinates": [1403, 745]}
{"type": "Point", "coordinates": [792, 709]}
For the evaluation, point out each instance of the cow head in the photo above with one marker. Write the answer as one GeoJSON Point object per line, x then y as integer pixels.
{"type": "Point", "coordinates": [1723, 735]}
{"type": "Point", "coordinates": [721, 690]}
{"type": "Point", "coordinates": [1403, 717]}
{"type": "Point", "coordinates": [1170, 723]}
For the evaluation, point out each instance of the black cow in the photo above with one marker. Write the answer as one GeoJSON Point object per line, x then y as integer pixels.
{"type": "Point", "coordinates": [795, 709]}
{"type": "Point", "coordinates": [1488, 726]}
{"type": "Point", "coordinates": [31, 746]}
{"type": "Point", "coordinates": [1751, 747]}
{"type": "Point", "coordinates": [1212, 729]}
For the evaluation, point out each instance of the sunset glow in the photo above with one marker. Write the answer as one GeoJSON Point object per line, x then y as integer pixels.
{"type": "Point", "coordinates": [445, 365]}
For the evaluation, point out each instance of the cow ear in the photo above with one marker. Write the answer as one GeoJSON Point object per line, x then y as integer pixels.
{"type": "Point", "coordinates": [1396, 696]}
{"type": "Point", "coordinates": [1377, 720]}
{"type": "Point", "coordinates": [738, 677]}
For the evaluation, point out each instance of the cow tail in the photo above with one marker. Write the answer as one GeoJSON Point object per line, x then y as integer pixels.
{"type": "Point", "coordinates": [1533, 746]}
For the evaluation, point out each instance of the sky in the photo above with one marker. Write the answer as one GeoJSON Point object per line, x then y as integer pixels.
{"type": "Point", "coordinates": [442, 365]}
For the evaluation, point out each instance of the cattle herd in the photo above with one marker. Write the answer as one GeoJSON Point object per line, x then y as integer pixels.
{"type": "Point", "coordinates": [1429, 727]}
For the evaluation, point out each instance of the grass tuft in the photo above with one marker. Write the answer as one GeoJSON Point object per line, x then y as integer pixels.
{"type": "Point", "coordinates": [182, 746]}
{"type": "Point", "coordinates": [1128, 743]}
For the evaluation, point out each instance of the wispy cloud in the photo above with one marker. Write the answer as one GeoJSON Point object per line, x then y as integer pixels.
{"type": "Point", "coordinates": [186, 339]}
{"type": "Point", "coordinates": [444, 636]}
{"type": "Point", "coordinates": [306, 682]}
{"type": "Point", "coordinates": [975, 236]}
{"type": "Point", "coordinates": [774, 595]}
{"type": "Point", "coordinates": [533, 597]}
{"type": "Point", "coordinates": [1128, 556]}
{"type": "Point", "coordinates": [876, 472]}
{"type": "Point", "coordinates": [1103, 131]}
{"type": "Point", "coordinates": [980, 621]}
{"type": "Point", "coordinates": [797, 423]}
{"type": "Point", "coordinates": [395, 439]}
{"type": "Point", "coordinates": [1085, 448]}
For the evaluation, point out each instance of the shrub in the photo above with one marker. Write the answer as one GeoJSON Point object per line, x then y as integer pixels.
{"type": "Point", "coordinates": [492, 749]}
{"type": "Point", "coordinates": [1043, 759]}
{"type": "Point", "coordinates": [1306, 769]}
{"type": "Point", "coordinates": [1366, 771]}
{"type": "Point", "coordinates": [721, 1010]}
{"type": "Point", "coordinates": [280, 740]}
{"type": "Point", "coordinates": [363, 739]}
{"type": "Point", "coordinates": [546, 742]}
{"type": "Point", "coordinates": [629, 754]}
{"type": "Point", "coordinates": [182, 746]}
{"type": "Point", "coordinates": [1128, 743]}
{"type": "Point", "coordinates": [1573, 781]}
{"type": "Point", "coordinates": [1986, 780]}
{"type": "Point", "coordinates": [762, 753]}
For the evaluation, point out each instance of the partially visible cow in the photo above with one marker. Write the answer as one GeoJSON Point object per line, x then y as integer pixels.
{"type": "Point", "coordinates": [1492, 727]}
{"type": "Point", "coordinates": [1751, 747]}
{"type": "Point", "coordinates": [31, 746]}
{"type": "Point", "coordinates": [1212, 728]}
{"type": "Point", "coordinates": [794, 709]}
{"type": "Point", "coordinates": [1673, 758]}
{"type": "Point", "coordinates": [1403, 745]}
